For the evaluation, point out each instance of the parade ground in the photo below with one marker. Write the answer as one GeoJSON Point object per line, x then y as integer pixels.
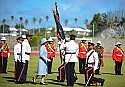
{"type": "Point", "coordinates": [107, 72]}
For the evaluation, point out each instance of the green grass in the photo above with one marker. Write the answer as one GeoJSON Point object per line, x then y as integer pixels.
{"type": "Point", "coordinates": [7, 80]}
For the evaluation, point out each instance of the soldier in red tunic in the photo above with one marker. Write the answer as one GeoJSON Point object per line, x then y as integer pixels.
{"type": "Point", "coordinates": [118, 57]}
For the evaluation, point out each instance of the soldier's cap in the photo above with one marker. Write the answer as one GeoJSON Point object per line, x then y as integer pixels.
{"type": "Point", "coordinates": [3, 38]}
{"type": "Point", "coordinates": [91, 43]}
{"type": "Point", "coordinates": [118, 43]}
{"type": "Point", "coordinates": [18, 38]}
{"type": "Point", "coordinates": [29, 35]}
{"type": "Point", "coordinates": [24, 36]}
{"type": "Point", "coordinates": [72, 35]}
{"type": "Point", "coordinates": [50, 40]}
{"type": "Point", "coordinates": [99, 42]}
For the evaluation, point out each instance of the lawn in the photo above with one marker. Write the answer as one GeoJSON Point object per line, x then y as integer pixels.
{"type": "Point", "coordinates": [107, 72]}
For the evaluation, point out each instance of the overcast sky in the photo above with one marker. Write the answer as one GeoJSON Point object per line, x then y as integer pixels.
{"type": "Point", "coordinates": [68, 9]}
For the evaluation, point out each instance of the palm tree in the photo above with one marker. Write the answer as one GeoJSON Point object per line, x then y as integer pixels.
{"type": "Point", "coordinates": [34, 21]}
{"type": "Point", "coordinates": [12, 19]}
{"type": "Point", "coordinates": [86, 22]}
{"type": "Point", "coordinates": [4, 22]}
{"type": "Point", "coordinates": [21, 20]}
{"type": "Point", "coordinates": [26, 22]}
{"type": "Point", "coordinates": [47, 18]}
{"type": "Point", "coordinates": [75, 20]}
{"type": "Point", "coordinates": [66, 22]}
{"type": "Point", "coordinates": [40, 20]}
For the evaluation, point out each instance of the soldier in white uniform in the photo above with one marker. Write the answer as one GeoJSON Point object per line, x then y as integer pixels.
{"type": "Point", "coordinates": [91, 66]}
{"type": "Point", "coordinates": [71, 49]}
{"type": "Point", "coordinates": [17, 58]}
{"type": "Point", "coordinates": [26, 50]}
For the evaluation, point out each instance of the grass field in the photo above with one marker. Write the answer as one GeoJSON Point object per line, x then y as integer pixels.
{"type": "Point", "coordinates": [107, 72]}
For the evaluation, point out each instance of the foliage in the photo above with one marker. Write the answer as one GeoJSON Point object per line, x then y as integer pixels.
{"type": "Point", "coordinates": [35, 41]}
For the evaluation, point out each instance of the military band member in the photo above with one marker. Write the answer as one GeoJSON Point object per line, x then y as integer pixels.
{"type": "Point", "coordinates": [91, 66]}
{"type": "Point", "coordinates": [100, 50]}
{"type": "Point", "coordinates": [118, 57]}
{"type": "Point", "coordinates": [71, 49]}
{"type": "Point", "coordinates": [50, 54]}
{"type": "Point", "coordinates": [82, 55]}
{"type": "Point", "coordinates": [4, 54]}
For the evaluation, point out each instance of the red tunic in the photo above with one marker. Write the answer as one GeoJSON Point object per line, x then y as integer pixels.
{"type": "Point", "coordinates": [82, 50]}
{"type": "Point", "coordinates": [50, 50]}
{"type": "Point", "coordinates": [118, 54]}
{"type": "Point", "coordinates": [5, 50]}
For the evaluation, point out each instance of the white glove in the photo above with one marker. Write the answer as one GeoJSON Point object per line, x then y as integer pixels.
{"type": "Point", "coordinates": [95, 68]}
{"type": "Point", "coordinates": [48, 60]}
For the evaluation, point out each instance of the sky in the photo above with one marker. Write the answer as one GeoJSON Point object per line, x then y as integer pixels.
{"type": "Point", "coordinates": [68, 10]}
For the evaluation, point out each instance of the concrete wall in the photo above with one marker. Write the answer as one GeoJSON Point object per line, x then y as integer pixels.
{"type": "Point", "coordinates": [109, 44]}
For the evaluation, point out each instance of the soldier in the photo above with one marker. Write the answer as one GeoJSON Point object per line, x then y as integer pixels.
{"type": "Point", "coordinates": [100, 50]}
{"type": "Point", "coordinates": [92, 65]}
{"type": "Point", "coordinates": [26, 50]}
{"type": "Point", "coordinates": [118, 58]}
{"type": "Point", "coordinates": [82, 55]}
{"type": "Point", "coordinates": [71, 49]}
{"type": "Point", "coordinates": [50, 54]}
{"type": "Point", "coordinates": [4, 54]}
{"type": "Point", "coordinates": [17, 58]}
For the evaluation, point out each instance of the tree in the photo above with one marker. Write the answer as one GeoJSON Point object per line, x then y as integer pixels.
{"type": "Point", "coordinates": [26, 23]}
{"type": "Point", "coordinates": [21, 20]}
{"type": "Point", "coordinates": [86, 22]}
{"type": "Point", "coordinates": [12, 19]}
{"type": "Point", "coordinates": [40, 20]}
{"type": "Point", "coordinates": [4, 22]}
{"type": "Point", "coordinates": [34, 21]}
{"type": "Point", "coordinates": [47, 18]}
{"type": "Point", "coordinates": [75, 20]}
{"type": "Point", "coordinates": [66, 22]}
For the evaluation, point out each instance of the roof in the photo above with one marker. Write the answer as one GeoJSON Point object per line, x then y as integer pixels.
{"type": "Point", "coordinates": [70, 29]}
{"type": "Point", "coordinates": [13, 29]}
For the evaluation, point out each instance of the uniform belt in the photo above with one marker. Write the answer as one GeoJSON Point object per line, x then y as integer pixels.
{"type": "Point", "coordinates": [83, 52]}
{"type": "Point", "coordinates": [119, 54]}
{"type": "Point", "coordinates": [27, 53]}
{"type": "Point", "coordinates": [18, 53]}
{"type": "Point", "coordinates": [91, 63]}
{"type": "Point", "coordinates": [70, 53]}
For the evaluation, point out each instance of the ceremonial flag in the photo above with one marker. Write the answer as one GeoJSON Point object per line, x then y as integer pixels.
{"type": "Point", "coordinates": [60, 32]}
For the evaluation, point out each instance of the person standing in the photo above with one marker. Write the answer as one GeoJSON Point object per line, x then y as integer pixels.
{"type": "Point", "coordinates": [17, 58]}
{"type": "Point", "coordinates": [26, 50]}
{"type": "Point", "coordinates": [4, 54]}
{"type": "Point", "coordinates": [91, 66]}
{"type": "Point", "coordinates": [83, 48]}
{"type": "Point", "coordinates": [71, 49]}
{"type": "Point", "coordinates": [118, 57]}
{"type": "Point", "coordinates": [50, 54]}
{"type": "Point", "coordinates": [100, 50]}
{"type": "Point", "coordinates": [42, 62]}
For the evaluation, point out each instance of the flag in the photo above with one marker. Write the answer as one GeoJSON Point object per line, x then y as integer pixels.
{"type": "Point", "coordinates": [60, 32]}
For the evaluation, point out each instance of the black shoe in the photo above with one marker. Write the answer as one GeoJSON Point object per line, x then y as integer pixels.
{"type": "Point", "coordinates": [102, 82]}
{"type": "Point", "coordinates": [42, 83]}
{"type": "Point", "coordinates": [120, 74]}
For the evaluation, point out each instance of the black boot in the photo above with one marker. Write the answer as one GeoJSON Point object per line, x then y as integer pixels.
{"type": "Point", "coordinates": [102, 82]}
